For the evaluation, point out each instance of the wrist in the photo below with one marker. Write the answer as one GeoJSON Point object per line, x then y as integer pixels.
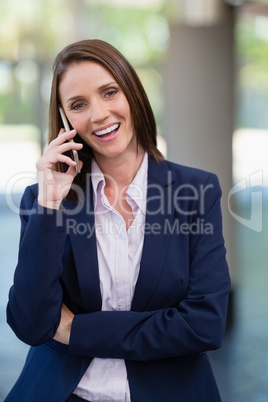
{"type": "Point", "coordinates": [49, 204]}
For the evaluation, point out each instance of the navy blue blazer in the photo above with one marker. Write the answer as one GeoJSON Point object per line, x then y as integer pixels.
{"type": "Point", "coordinates": [179, 306]}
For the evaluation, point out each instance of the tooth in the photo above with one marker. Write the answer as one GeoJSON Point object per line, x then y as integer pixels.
{"type": "Point", "coordinates": [107, 130]}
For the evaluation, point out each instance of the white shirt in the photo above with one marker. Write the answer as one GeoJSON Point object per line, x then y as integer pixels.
{"type": "Point", "coordinates": [119, 255]}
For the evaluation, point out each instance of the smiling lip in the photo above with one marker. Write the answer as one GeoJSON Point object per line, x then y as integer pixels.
{"type": "Point", "coordinates": [107, 133]}
{"type": "Point", "coordinates": [106, 129]}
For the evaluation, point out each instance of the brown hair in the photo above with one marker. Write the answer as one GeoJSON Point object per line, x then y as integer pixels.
{"type": "Point", "coordinates": [113, 61]}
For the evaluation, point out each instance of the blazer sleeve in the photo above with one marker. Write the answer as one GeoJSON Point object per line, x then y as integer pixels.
{"type": "Point", "coordinates": [197, 324]}
{"type": "Point", "coordinates": [35, 299]}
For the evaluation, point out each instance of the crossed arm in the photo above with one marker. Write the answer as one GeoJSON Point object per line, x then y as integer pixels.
{"type": "Point", "coordinates": [37, 315]}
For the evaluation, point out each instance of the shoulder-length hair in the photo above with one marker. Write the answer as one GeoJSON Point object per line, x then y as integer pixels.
{"type": "Point", "coordinates": [124, 74]}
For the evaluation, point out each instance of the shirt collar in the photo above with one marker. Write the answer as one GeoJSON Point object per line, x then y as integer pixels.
{"type": "Point", "coordinates": [137, 190]}
{"type": "Point", "coordinates": [98, 181]}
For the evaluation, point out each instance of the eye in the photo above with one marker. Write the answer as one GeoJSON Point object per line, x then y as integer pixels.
{"type": "Point", "coordinates": [78, 106]}
{"type": "Point", "coordinates": [111, 93]}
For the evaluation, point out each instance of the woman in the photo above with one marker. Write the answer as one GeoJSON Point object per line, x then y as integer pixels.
{"type": "Point", "coordinates": [122, 284]}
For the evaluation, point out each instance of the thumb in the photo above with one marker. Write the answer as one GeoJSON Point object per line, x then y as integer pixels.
{"type": "Point", "coordinates": [72, 169]}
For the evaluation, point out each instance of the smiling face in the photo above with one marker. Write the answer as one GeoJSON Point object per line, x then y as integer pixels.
{"type": "Point", "coordinates": [98, 109]}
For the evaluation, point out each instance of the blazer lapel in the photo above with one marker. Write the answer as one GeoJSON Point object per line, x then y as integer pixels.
{"type": "Point", "coordinates": [159, 211]}
{"type": "Point", "coordinates": [84, 248]}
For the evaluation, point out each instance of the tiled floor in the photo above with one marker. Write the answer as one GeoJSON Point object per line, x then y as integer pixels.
{"type": "Point", "coordinates": [240, 366]}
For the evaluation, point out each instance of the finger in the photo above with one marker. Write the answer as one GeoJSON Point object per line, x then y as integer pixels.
{"type": "Point", "coordinates": [61, 131]}
{"type": "Point", "coordinates": [63, 136]}
{"type": "Point", "coordinates": [68, 146]}
{"type": "Point", "coordinates": [72, 169]}
{"type": "Point", "coordinates": [81, 164]}
{"type": "Point", "coordinates": [66, 159]}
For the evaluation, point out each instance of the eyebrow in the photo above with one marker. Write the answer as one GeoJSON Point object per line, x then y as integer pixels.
{"type": "Point", "coordinates": [100, 89]}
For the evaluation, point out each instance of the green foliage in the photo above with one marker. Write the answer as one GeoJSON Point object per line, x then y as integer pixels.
{"type": "Point", "coordinates": [38, 30]}
{"type": "Point", "coordinates": [251, 50]}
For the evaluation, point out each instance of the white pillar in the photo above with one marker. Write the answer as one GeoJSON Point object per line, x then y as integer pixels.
{"type": "Point", "coordinates": [199, 103]}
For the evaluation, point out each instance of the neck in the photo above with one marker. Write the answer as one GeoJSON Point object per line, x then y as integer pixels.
{"type": "Point", "coordinates": [122, 169]}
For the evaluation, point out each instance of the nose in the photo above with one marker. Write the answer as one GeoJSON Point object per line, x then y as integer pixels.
{"type": "Point", "coordinates": [98, 110]}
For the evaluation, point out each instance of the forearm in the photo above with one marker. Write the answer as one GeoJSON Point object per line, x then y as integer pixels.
{"type": "Point", "coordinates": [153, 334]}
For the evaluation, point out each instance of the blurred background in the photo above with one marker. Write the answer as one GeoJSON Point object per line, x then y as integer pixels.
{"type": "Point", "coordinates": [204, 65]}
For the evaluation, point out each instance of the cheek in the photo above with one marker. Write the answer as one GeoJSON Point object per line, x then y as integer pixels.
{"type": "Point", "coordinates": [79, 123]}
{"type": "Point", "coordinates": [122, 106]}
{"type": "Point", "coordinates": [124, 110]}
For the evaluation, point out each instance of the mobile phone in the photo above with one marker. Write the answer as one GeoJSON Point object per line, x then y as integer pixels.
{"type": "Point", "coordinates": [67, 128]}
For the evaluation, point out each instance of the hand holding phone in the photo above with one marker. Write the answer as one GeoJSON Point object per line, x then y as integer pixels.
{"type": "Point", "coordinates": [67, 128]}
